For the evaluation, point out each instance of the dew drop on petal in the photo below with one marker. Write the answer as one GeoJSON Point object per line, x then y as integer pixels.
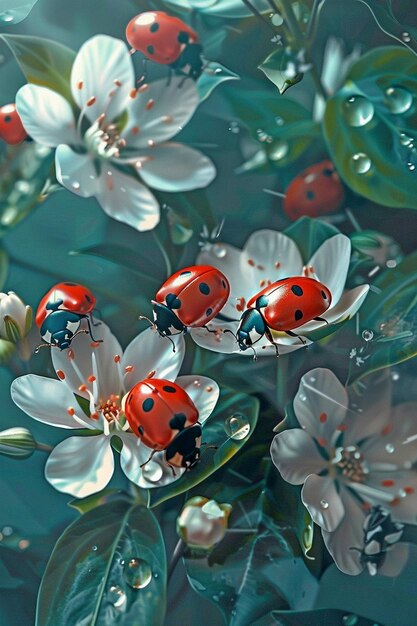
{"type": "Point", "coordinates": [398, 100]}
{"type": "Point", "coordinates": [75, 185]}
{"type": "Point", "coordinates": [367, 335]}
{"type": "Point", "coordinates": [237, 426]}
{"type": "Point", "coordinates": [405, 37]}
{"type": "Point", "coordinates": [390, 448]}
{"type": "Point", "coordinates": [361, 163]}
{"type": "Point", "coordinates": [358, 111]}
{"type": "Point", "coordinates": [152, 471]}
{"type": "Point", "coordinates": [137, 573]}
{"type": "Point", "coordinates": [350, 620]}
{"type": "Point", "coordinates": [7, 17]}
{"type": "Point", "coordinates": [324, 504]}
{"type": "Point", "coordinates": [219, 251]}
{"type": "Point", "coordinates": [117, 597]}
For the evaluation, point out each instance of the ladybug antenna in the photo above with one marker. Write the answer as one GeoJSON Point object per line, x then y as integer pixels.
{"type": "Point", "coordinates": [151, 323]}
{"type": "Point", "coordinates": [275, 193]}
{"type": "Point", "coordinates": [45, 345]}
{"type": "Point", "coordinates": [227, 330]}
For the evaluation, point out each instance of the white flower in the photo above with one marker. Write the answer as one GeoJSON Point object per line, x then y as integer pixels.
{"type": "Point", "coordinates": [101, 374]}
{"type": "Point", "coordinates": [221, 8]}
{"type": "Point", "coordinates": [117, 125]}
{"type": "Point", "coordinates": [348, 460]}
{"type": "Point", "coordinates": [269, 256]}
{"type": "Point", "coordinates": [15, 317]}
{"type": "Point", "coordinates": [202, 522]}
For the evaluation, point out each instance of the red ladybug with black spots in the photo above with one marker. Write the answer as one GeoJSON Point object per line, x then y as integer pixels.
{"type": "Point", "coordinates": [189, 299]}
{"type": "Point", "coordinates": [316, 191]}
{"type": "Point", "coordinates": [167, 40]}
{"type": "Point", "coordinates": [282, 306]}
{"type": "Point", "coordinates": [11, 127]}
{"type": "Point", "coordinates": [164, 417]}
{"type": "Point", "coordinates": [60, 313]}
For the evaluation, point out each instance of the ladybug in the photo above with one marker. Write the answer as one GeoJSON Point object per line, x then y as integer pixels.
{"type": "Point", "coordinates": [166, 40]}
{"type": "Point", "coordinates": [11, 127]}
{"type": "Point", "coordinates": [164, 417]}
{"type": "Point", "coordinates": [316, 191]}
{"type": "Point", "coordinates": [189, 298]}
{"type": "Point", "coordinates": [60, 313]}
{"type": "Point", "coordinates": [282, 306]}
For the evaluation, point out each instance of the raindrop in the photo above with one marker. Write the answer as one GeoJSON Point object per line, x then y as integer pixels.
{"type": "Point", "coordinates": [405, 140]}
{"type": "Point", "coordinates": [237, 426]}
{"type": "Point", "coordinates": [361, 163]}
{"type": "Point", "coordinates": [411, 167]}
{"type": "Point", "coordinates": [367, 335]}
{"type": "Point", "coordinates": [324, 504]}
{"type": "Point", "coordinates": [390, 448]}
{"type": "Point", "coordinates": [276, 19]}
{"type": "Point", "coordinates": [219, 251]}
{"type": "Point", "coordinates": [117, 597]}
{"type": "Point", "coordinates": [358, 111]}
{"type": "Point", "coordinates": [152, 471]}
{"type": "Point", "coordinates": [391, 263]}
{"type": "Point", "coordinates": [76, 185]}
{"type": "Point", "coordinates": [405, 37]}
{"type": "Point", "coordinates": [398, 99]}
{"type": "Point", "coordinates": [278, 150]}
{"type": "Point", "coordinates": [94, 548]}
{"type": "Point", "coordinates": [137, 573]}
{"type": "Point", "coordinates": [7, 17]}
{"type": "Point", "coordinates": [350, 620]}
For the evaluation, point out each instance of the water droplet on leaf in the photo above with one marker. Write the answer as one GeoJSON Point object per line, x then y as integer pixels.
{"type": "Point", "coordinates": [152, 471]}
{"type": "Point", "coordinates": [398, 99]}
{"type": "Point", "coordinates": [405, 140]}
{"type": "Point", "coordinates": [137, 573]}
{"type": "Point", "coordinates": [278, 150]}
{"type": "Point", "coordinates": [117, 597]}
{"type": "Point", "coordinates": [406, 37]}
{"type": "Point", "coordinates": [7, 17]}
{"type": "Point", "coordinates": [358, 111]}
{"type": "Point", "coordinates": [367, 335]}
{"type": "Point", "coordinates": [350, 620]}
{"type": "Point", "coordinates": [361, 163]}
{"type": "Point", "coordinates": [237, 426]}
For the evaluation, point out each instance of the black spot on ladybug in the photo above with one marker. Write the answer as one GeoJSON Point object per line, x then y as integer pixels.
{"type": "Point", "coordinates": [298, 315]}
{"type": "Point", "coordinates": [183, 37]}
{"type": "Point", "coordinates": [204, 288]}
{"type": "Point", "coordinates": [87, 297]}
{"type": "Point", "coordinates": [224, 284]}
{"type": "Point", "coordinates": [178, 421]}
{"type": "Point", "coordinates": [209, 312]}
{"type": "Point", "coordinates": [169, 388]}
{"type": "Point", "coordinates": [310, 195]}
{"type": "Point", "coordinates": [141, 430]}
{"type": "Point", "coordinates": [327, 172]}
{"type": "Point", "coordinates": [324, 294]}
{"type": "Point", "coordinates": [147, 405]}
{"type": "Point", "coordinates": [71, 284]}
{"type": "Point", "coordinates": [154, 27]}
{"type": "Point", "coordinates": [150, 49]}
{"type": "Point", "coordinates": [186, 273]}
{"type": "Point", "coordinates": [7, 118]}
{"type": "Point", "coordinates": [297, 291]}
{"type": "Point", "coordinates": [172, 301]}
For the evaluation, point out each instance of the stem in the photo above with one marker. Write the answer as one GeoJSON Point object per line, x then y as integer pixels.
{"type": "Point", "coordinates": [313, 18]}
{"type": "Point", "coordinates": [259, 15]}
{"type": "Point", "coordinates": [281, 384]}
{"type": "Point", "coordinates": [163, 253]}
{"type": "Point", "coordinates": [317, 81]}
{"type": "Point", "coordinates": [43, 447]}
{"type": "Point", "coordinates": [176, 555]}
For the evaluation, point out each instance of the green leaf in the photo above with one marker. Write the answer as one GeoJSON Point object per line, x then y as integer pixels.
{"type": "Point", "coordinates": [281, 67]}
{"type": "Point", "coordinates": [317, 617]}
{"type": "Point", "coordinates": [214, 433]}
{"type": "Point", "coordinates": [86, 566]}
{"type": "Point", "coordinates": [4, 267]}
{"type": "Point", "coordinates": [309, 234]}
{"type": "Point", "coordinates": [213, 75]}
{"type": "Point", "coordinates": [83, 505]}
{"type": "Point", "coordinates": [388, 23]}
{"type": "Point", "coordinates": [44, 62]}
{"type": "Point", "coordinates": [370, 124]}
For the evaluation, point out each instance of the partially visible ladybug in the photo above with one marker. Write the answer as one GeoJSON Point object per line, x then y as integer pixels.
{"type": "Point", "coordinates": [316, 191]}
{"type": "Point", "coordinates": [166, 40]}
{"type": "Point", "coordinates": [189, 298]}
{"type": "Point", "coordinates": [60, 313]}
{"type": "Point", "coordinates": [282, 306]}
{"type": "Point", "coordinates": [164, 417]}
{"type": "Point", "coordinates": [11, 127]}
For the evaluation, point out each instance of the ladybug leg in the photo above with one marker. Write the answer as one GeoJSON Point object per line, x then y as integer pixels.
{"type": "Point", "coordinates": [90, 331]}
{"type": "Point", "coordinates": [92, 321]}
{"type": "Point", "coordinates": [212, 331]}
{"type": "Point", "coordinates": [291, 334]}
{"type": "Point", "coordinates": [172, 469]}
{"type": "Point", "coordinates": [45, 345]}
{"type": "Point", "coordinates": [209, 447]}
{"type": "Point", "coordinates": [271, 339]}
{"type": "Point", "coordinates": [173, 344]}
{"type": "Point", "coordinates": [150, 458]}
{"type": "Point", "coordinates": [320, 319]}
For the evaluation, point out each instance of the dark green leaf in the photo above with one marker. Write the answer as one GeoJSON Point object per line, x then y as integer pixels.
{"type": "Point", "coordinates": [97, 499]}
{"type": "Point", "coordinates": [125, 257]}
{"type": "Point", "coordinates": [388, 23]}
{"type": "Point", "coordinates": [87, 563]}
{"type": "Point", "coordinates": [318, 617]}
{"type": "Point", "coordinates": [282, 69]}
{"type": "Point", "coordinates": [180, 227]}
{"type": "Point", "coordinates": [213, 75]}
{"type": "Point", "coordinates": [309, 234]}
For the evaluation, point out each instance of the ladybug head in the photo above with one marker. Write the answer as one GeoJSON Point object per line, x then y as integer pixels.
{"type": "Point", "coordinates": [251, 329]}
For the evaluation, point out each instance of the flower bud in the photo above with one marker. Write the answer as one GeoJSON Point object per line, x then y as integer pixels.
{"type": "Point", "coordinates": [15, 317]}
{"type": "Point", "coordinates": [382, 249]}
{"type": "Point", "coordinates": [202, 522]}
{"type": "Point", "coordinates": [17, 443]}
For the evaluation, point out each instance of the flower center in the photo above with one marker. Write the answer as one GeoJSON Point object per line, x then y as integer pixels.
{"type": "Point", "coordinates": [110, 409]}
{"type": "Point", "coordinates": [350, 463]}
{"type": "Point", "coordinates": [104, 139]}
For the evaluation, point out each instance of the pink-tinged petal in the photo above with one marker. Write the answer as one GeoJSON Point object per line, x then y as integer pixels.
{"type": "Point", "coordinates": [388, 444]}
{"type": "Point", "coordinates": [395, 560]}
{"type": "Point", "coordinates": [349, 534]}
{"type": "Point", "coordinates": [46, 116]}
{"type": "Point", "coordinates": [86, 360]}
{"type": "Point", "coordinates": [76, 171]}
{"type": "Point", "coordinates": [330, 264]}
{"type": "Point", "coordinates": [295, 455]}
{"type": "Point", "coordinates": [176, 167]}
{"type": "Point", "coordinates": [159, 111]}
{"type": "Point", "coordinates": [125, 199]}
{"type": "Point", "coordinates": [396, 490]}
{"type": "Point", "coordinates": [48, 401]}
{"type": "Point", "coordinates": [81, 466]}
{"type": "Point", "coordinates": [323, 502]}
{"type": "Point", "coordinates": [203, 391]}
{"type": "Point", "coordinates": [102, 77]}
{"type": "Point", "coordinates": [149, 352]}
{"type": "Point", "coordinates": [321, 405]}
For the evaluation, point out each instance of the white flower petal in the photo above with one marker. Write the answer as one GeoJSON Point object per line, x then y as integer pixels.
{"type": "Point", "coordinates": [349, 534]}
{"type": "Point", "coordinates": [132, 456]}
{"type": "Point", "coordinates": [46, 400]}
{"type": "Point", "coordinates": [160, 111]}
{"type": "Point", "coordinates": [102, 67]}
{"type": "Point", "coordinates": [175, 167]}
{"type": "Point", "coordinates": [125, 199]}
{"type": "Point", "coordinates": [395, 560]}
{"type": "Point", "coordinates": [330, 263]}
{"type": "Point", "coordinates": [150, 352]}
{"type": "Point", "coordinates": [387, 445]}
{"type": "Point", "coordinates": [295, 455]}
{"type": "Point", "coordinates": [269, 255]}
{"type": "Point", "coordinates": [321, 404]}
{"type": "Point", "coordinates": [323, 502]}
{"type": "Point", "coordinates": [203, 391]}
{"type": "Point", "coordinates": [78, 363]}
{"type": "Point", "coordinates": [76, 171]}
{"type": "Point", "coordinates": [46, 116]}
{"type": "Point", "coordinates": [81, 466]}
{"type": "Point", "coordinates": [400, 496]}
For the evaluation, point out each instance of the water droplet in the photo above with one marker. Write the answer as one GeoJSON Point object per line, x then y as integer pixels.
{"type": "Point", "coordinates": [234, 128]}
{"type": "Point", "coordinates": [278, 150]}
{"type": "Point", "coordinates": [324, 504]}
{"type": "Point", "coordinates": [76, 185]}
{"type": "Point", "coordinates": [395, 376]}
{"type": "Point", "coordinates": [117, 597]}
{"type": "Point", "coordinates": [152, 471]}
{"type": "Point", "coordinates": [411, 167]}
{"type": "Point", "coordinates": [94, 548]}
{"type": "Point", "coordinates": [237, 426]}
{"type": "Point", "coordinates": [391, 263]}
{"type": "Point", "coordinates": [216, 598]}
{"type": "Point", "coordinates": [350, 620]}
{"type": "Point", "coordinates": [398, 99]}
{"type": "Point", "coordinates": [367, 335]}
{"type": "Point", "coordinates": [390, 448]}
{"type": "Point", "coordinates": [279, 121]}
{"type": "Point", "coordinates": [405, 37]}
{"type": "Point", "coordinates": [358, 111]}
{"type": "Point", "coordinates": [7, 531]}
{"type": "Point", "coordinates": [219, 251]}
{"type": "Point", "coordinates": [137, 573]}
{"type": "Point", "coordinates": [6, 17]}
{"type": "Point", "coordinates": [405, 140]}
{"type": "Point", "coordinates": [361, 163]}
{"type": "Point", "coordinates": [276, 19]}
